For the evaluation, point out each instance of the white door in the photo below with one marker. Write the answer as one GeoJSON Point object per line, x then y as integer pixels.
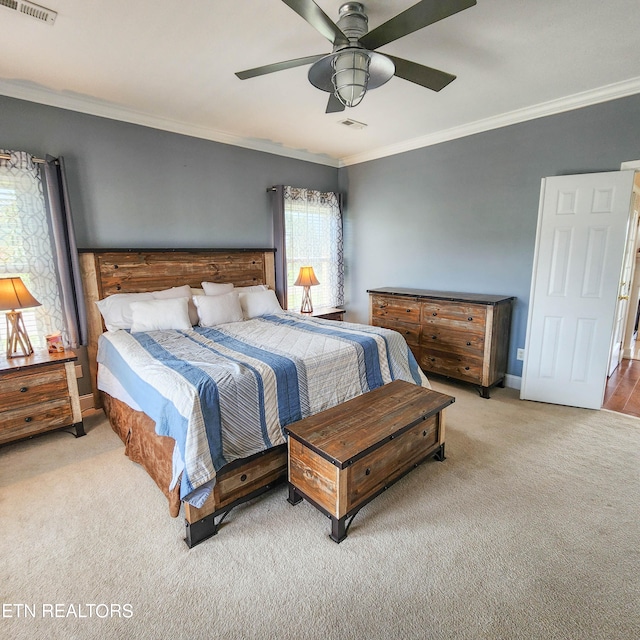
{"type": "Point", "coordinates": [580, 244]}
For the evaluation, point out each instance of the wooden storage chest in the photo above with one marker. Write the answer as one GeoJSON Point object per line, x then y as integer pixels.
{"type": "Point", "coordinates": [460, 335]}
{"type": "Point", "coordinates": [342, 458]}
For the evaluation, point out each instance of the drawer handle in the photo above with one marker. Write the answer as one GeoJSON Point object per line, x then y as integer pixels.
{"type": "Point", "coordinates": [24, 389]}
{"type": "Point", "coordinates": [28, 419]}
{"type": "Point", "coordinates": [434, 337]}
{"type": "Point", "coordinates": [424, 434]}
{"type": "Point", "coordinates": [470, 319]}
{"type": "Point", "coordinates": [408, 310]}
{"type": "Point", "coordinates": [432, 359]}
{"type": "Point", "coordinates": [367, 472]}
{"type": "Point", "coordinates": [243, 477]}
{"type": "Point", "coordinates": [468, 344]}
{"type": "Point", "coordinates": [118, 287]}
{"type": "Point", "coordinates": [466, 368]}
{"type": "Point", "coordinates": [434, 314]}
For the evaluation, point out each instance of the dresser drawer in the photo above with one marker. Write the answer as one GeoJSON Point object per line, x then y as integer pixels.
{"type": "Point", "coordinates": [453, 340]}
{"type": "Point", "coordinates": [469, 317]}
{"type": "Point", "coordinates": [19, 389]}
{"type": "Point", "coordinates": [461, 367]}
{"type": "Point", "coordinates": [410, 332]}
{"type": "Point", "coordinates": [36, 418]}
{"type": "Point", "coordinates": [403, 310]}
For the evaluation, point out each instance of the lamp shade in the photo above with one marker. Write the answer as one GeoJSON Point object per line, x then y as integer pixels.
{"type": "Point", "coordinates": [14, 295]}
{"type": "Point", "coordinates": [306, 278]}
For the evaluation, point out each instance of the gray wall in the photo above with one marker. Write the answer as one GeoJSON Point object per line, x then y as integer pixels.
{"type": "Point", "coordinates": [461, 216]}
{"type": "Point", "coordinates": [133, 186]}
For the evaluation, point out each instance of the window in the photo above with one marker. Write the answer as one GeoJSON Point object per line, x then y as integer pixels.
{"type": "Point", "coordinates": [313, 237]}
{"type": "Point", "coordinates": [25, 244]}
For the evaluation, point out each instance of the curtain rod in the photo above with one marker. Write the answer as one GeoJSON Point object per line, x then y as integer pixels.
{"type": "Point", "coordinates": [6, 156]}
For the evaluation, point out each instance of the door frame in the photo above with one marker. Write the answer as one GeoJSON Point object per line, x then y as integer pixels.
{"type": "Point", "coordinates": [632, 308]}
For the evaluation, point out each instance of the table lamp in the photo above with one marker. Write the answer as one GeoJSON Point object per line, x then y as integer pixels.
{"type": "Point", "coordinates": [306, 278]}
{"type": "Point", "coordinates": [14, 295]}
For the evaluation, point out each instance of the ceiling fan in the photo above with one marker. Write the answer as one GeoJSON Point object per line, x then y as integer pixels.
{"type": "Point", "coordinates": [354, 67]}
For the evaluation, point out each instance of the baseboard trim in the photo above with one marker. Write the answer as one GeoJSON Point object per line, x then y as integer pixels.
{"type": "Point", "coordinates": [513, 382]}
{"type": "Point", "coordinates": [86, 402]}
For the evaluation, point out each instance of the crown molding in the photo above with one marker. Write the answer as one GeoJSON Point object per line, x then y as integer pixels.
{"type": "Point", "coordinates": [94, 107]}
{"type": "Point", "coordinates": [87, 105]}
{"type": "Point", "coordinates": [552, 107]}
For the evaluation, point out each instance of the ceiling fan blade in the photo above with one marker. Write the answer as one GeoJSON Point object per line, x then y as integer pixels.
{"type": "Point", "coordinates": [425, 76]}
{"type": "Point", "coordinates": [318, 19]}
{"type": "Point", "coordinates": [417, 17]}
{"type": "Point", "coordinates": [334, 105]}
{"type": "Point", "coordinates": [278, 66]}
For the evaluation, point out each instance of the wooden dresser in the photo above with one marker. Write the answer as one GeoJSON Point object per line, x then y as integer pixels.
{"type": "Point", "coordinates": [38, 393]}
{"type": "Point", "coordinates": [460, 335]}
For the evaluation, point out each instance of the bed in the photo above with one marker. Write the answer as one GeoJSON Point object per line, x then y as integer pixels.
{"type": "Point", "coordinates": [211, 432]}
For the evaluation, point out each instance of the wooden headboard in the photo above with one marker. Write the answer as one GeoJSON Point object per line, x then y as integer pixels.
{"type": "Point", "coordinates": [109, 271]}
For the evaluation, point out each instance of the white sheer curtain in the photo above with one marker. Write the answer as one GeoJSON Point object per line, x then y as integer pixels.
{"type": "Point", "coordinates": [313, 237]}
{"type": "Point", "coordinates": [25, 244]}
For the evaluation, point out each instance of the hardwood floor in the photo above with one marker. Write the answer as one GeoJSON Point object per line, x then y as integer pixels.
{"type": "Point", "coordinates": [622, 393]}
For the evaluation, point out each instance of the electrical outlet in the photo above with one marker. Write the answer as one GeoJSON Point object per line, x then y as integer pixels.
{"type": "Point", "coordinates": [520, 354]}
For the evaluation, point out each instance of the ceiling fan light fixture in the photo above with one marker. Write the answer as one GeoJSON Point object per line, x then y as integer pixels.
{"type": "Point", "coordinates": [351, 76]}
{"type": "Point", "coordinates": [324, 73]}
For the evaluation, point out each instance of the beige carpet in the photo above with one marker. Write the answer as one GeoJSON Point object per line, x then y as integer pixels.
{"type": "Point", "coordinates": [529, 529]}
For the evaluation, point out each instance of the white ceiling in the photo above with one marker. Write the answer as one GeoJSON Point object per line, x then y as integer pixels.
{"type": "Point", "coordinates": [170, 64]}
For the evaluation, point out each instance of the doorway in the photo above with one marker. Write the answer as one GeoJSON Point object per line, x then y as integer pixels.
{"type": "Point", "coordinates": [622, 391]}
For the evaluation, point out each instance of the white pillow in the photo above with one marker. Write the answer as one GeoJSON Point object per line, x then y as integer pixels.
{"type": "Point", "coordinates": [175, 292]}
{"type": "Point", "coordinates": [259, 303]}
{"type": "Point", "coordinates": [213, 310]}
{"type": "Point", "coordinates": [217, 288]}
{"type": "Point", "coordinates": [179, 292]}
{"type": "Point", "coordinates": [253, 287]}
{"type": "Point", "coordinates": [156, 315]}
{"type": "Point", "coordinates": [116, 309]}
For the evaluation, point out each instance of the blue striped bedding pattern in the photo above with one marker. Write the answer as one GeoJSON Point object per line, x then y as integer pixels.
{"type": "Point", "coordinates": [225, 393]}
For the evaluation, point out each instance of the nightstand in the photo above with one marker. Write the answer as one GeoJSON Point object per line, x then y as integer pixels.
{"type": "Point", "coordinates": [39, 393]}
{"type": "Point", "coordinates": [328, 313]}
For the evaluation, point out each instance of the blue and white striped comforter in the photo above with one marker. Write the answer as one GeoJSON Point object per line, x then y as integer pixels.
{"type": "Point", "coordinates": [227, 392]}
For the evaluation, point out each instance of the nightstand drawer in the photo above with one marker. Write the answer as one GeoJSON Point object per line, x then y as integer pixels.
{"type": "Point", "coordinates": [19, 389]}
{"type": "Point", "coordinates": [29, 420]}
{"type": "Point", "coordinates": [39, 393]}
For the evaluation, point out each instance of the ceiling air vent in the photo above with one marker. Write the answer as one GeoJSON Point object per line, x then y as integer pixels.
{"type": "Point", "coordinates": [31, 9]}
{"type": "Point", "coordinates": [353, 124]}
